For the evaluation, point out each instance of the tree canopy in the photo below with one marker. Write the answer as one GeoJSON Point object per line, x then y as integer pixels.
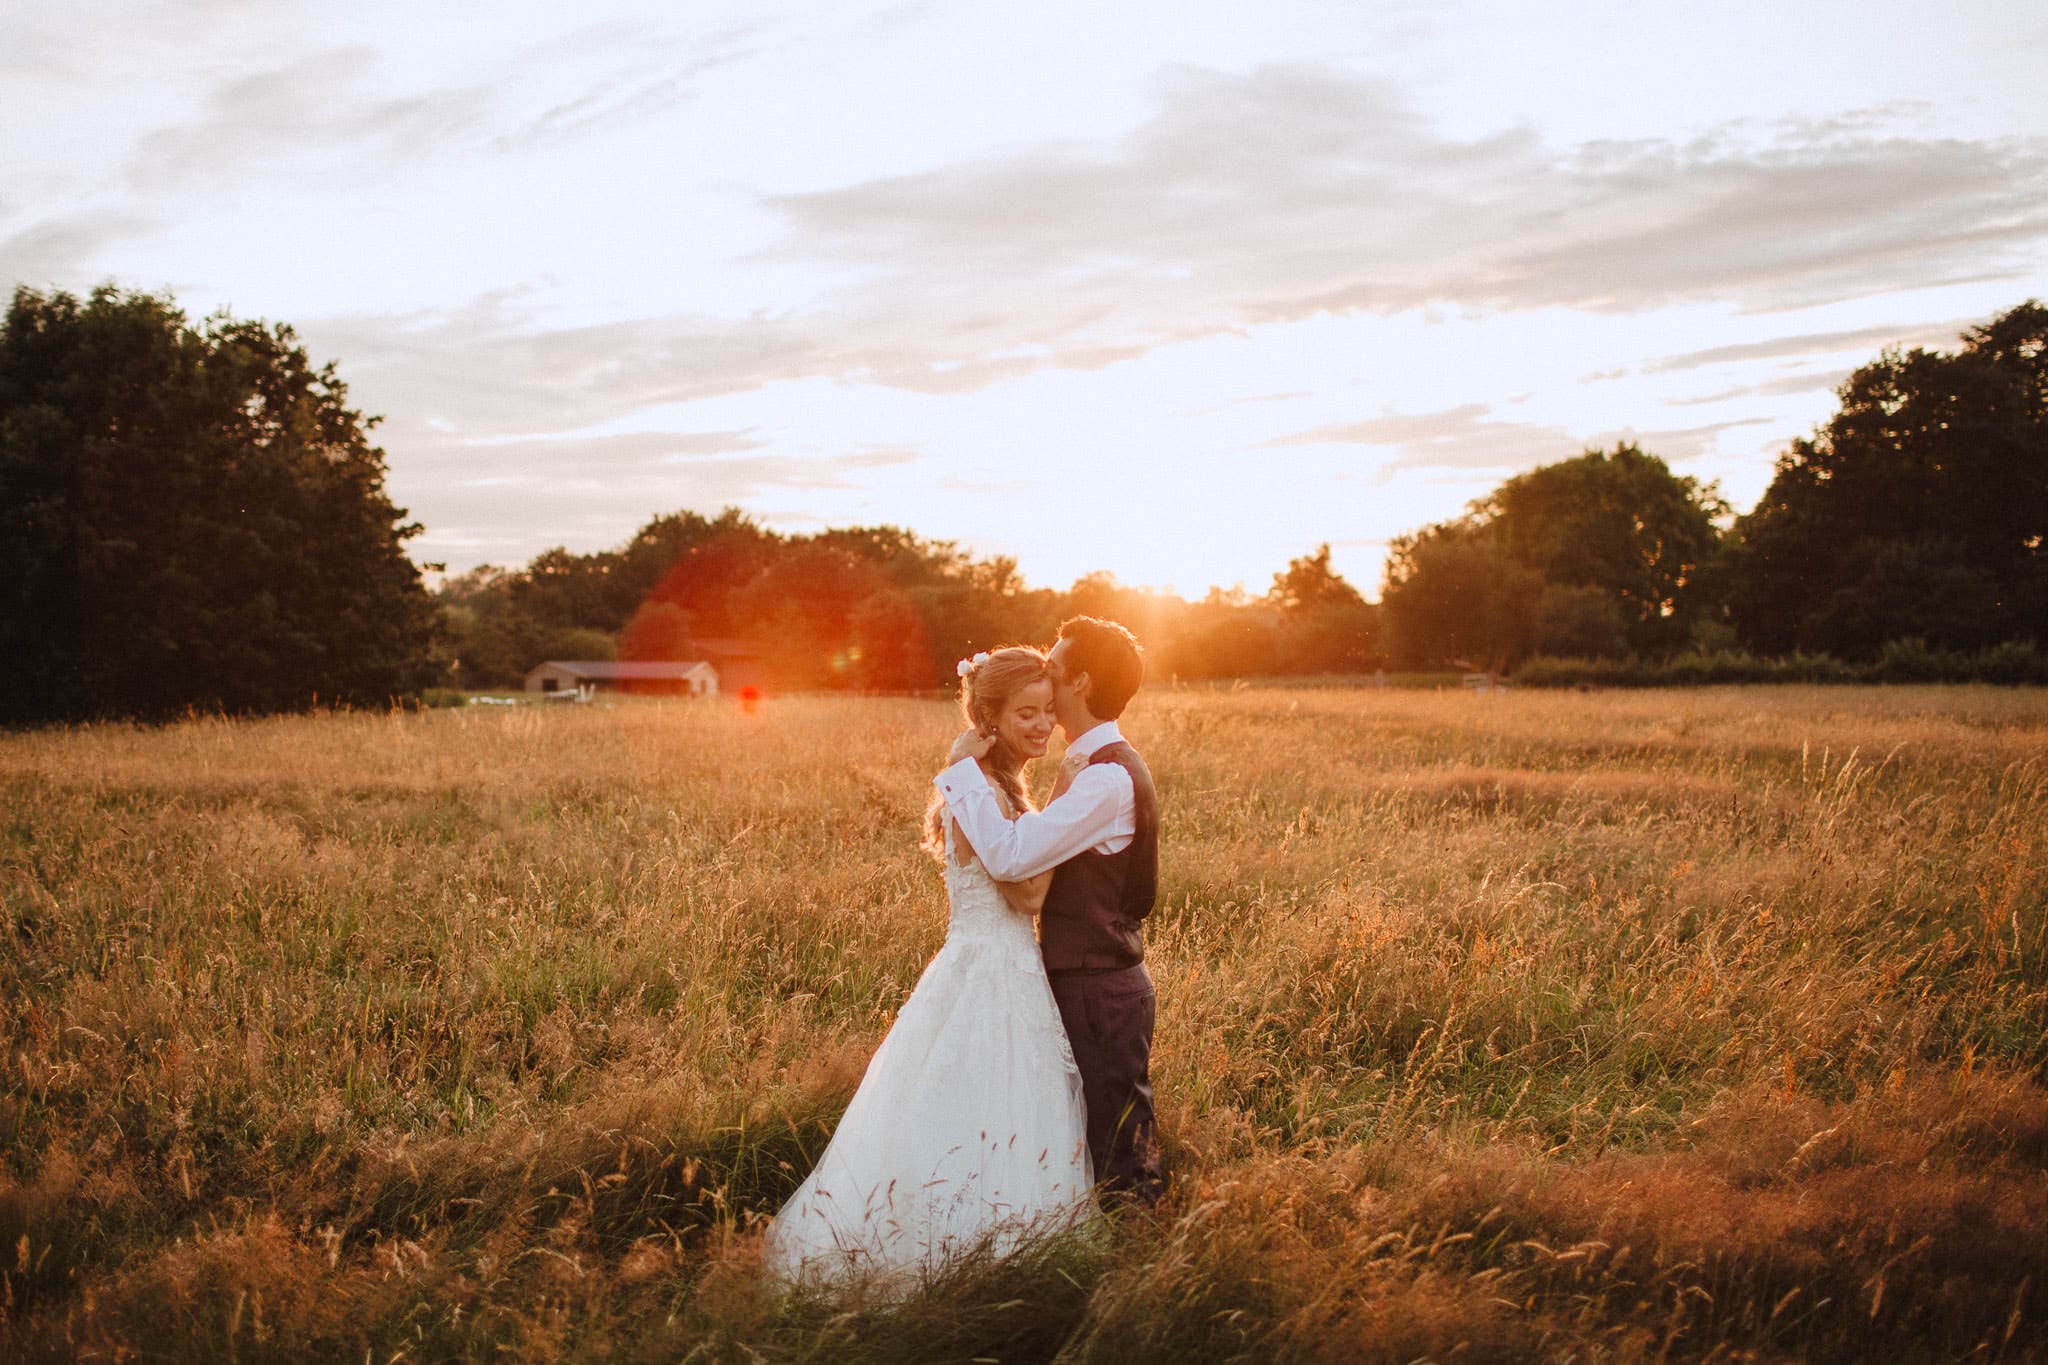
{"type": "Point", "coordinates": [1602, 554]}
{"type": "Point", "coordinates": [1621, 524]}
{"type": "Point", "coordinates": [1325, 624]}
{"type": "Point", "coordinates": [191, 516]}
{"type": "Point", "coordinates": [1918, 511]}
{"type": "Point", "coordinates": [1453, 596]}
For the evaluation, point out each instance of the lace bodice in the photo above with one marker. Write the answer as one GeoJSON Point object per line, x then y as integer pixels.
{"type": "Point", "coordinates": [978, 910]}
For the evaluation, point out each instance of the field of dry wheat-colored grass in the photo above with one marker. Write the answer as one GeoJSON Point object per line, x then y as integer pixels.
{"type": "Point", "coordinates": [1692, 1025]}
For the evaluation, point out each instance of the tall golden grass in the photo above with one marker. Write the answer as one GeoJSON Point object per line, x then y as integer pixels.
{"type": "Point", "coordinates": [1688, 1025]}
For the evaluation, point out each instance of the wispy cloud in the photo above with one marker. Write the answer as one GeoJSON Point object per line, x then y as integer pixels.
{"type": "Point", "coordinates": [65, 248]}
{"type": "Point", "coordinates": [310, 104]}
{"type": "Point", "coordinates": [1464, 437]}
{"type": "Point", "coordinates": [506, 496]}
{"type": "Point", "coordinates": [706, 463]}
{"type": "Point", "coordinates": [1467, 437]}
{"type": "Point", "coordinates": [696, 482]}
{"type": "Point", "coordinates": [1675, 445]}
{"type": "Point", "coordinates": [489, 372]}
{"type": "Point", "coordinates": [1810, 382]}
{"type": "Point", "coordinates": [628, 444]}
{"type": "Point", "coordinates": [1817, 343]}
{"type": "Point", "coordinates": [1801, 381]}
{"type": "Point", "coordinates": [658, 77]}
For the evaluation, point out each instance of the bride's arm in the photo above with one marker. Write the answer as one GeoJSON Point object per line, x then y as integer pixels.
{"type": "Point", "coordinates": [1026, 897]}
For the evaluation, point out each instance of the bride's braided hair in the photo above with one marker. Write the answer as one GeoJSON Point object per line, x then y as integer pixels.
{"type": "Point", "coordinates": [985, 689]}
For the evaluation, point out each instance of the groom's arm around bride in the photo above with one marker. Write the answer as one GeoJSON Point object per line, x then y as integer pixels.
{"type": "Point", "coordinates": [1100, 837]}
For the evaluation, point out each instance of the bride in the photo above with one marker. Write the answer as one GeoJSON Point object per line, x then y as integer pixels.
{"type": "Point", "coordinates": [968, 1129]}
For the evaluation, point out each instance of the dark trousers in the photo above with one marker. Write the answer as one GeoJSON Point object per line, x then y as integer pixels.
{"type": "Point", "coordinates": [1108, 1015]}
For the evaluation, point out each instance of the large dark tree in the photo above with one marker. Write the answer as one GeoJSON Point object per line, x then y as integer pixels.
{"type": "Point", "coordinates": [1918, 510]}
{"type": "Point", "coordinates": [1621, 524]}
{"type": "Point", "coordinates": [1602, 554]}
{"type": "Point", "coordinates": [1453, 596]}
{"type": "Point", "coordinates": [190, 517]}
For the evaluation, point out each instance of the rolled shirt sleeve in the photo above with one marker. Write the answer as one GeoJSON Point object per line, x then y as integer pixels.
{"type": "Point", "coordinates": [1100, 808]}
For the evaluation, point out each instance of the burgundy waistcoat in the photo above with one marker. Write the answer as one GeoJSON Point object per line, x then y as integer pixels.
{"type": "Point", "coordinates": [1097, 901]}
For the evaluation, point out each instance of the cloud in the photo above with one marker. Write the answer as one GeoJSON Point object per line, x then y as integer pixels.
{"type": "Point", "coordinates": [605, 464]}
{"type": "Point", "coordinates": [1719, 397]}
{"type": "Point", "coordinates": [1817, 343]}
{"type": "Point", "coordinates": [698, 482]}
{"type": "Point", "coordinates": [329, 100]}
{"type": "Point", "coordinates": [495, 440]}
{"type": "Point", "coordinates": [1823, 381]}
{"type": "Point", "coordinates": [30, 46]}
{"type": "Point", "coordinates": [1676, 445]}
{"type": "Point", "coordinates": [487, 371]}
{"type": "Point", "coordinates": [65, 248]}
{"type": "Point", "coordinates": [1461, 437]}
{"type": "Point", "coordinates": [1818, 219]}
{"type": "Point", "coordinates": [1806, 381]}
{"type": "Point", "coordinates": [632, 448]}
{"type": "Point", "coordinates": [1243, 199]}
{"type": "Point", "coordinates": [1294, 191]}
{"type": "Point", "coordinates": [1465, 437]}
{"type": "Point", "coordinates": [637, 93]}
{"type": "Point", "coordinates": [506, 496]}
{"type": "Point", "coordinates": [308, 105]}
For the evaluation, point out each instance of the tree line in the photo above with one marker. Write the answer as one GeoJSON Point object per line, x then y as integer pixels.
{"type": "Point", "coordinates": [192, 517]}
{"type": "Point", "coordinates": [874, 608]}
{"type": "Point", "coordinates": [1915, 514]}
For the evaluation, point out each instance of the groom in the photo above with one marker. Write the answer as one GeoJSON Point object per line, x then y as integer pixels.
{"type": "Point", "coordinates": [1100, 835]}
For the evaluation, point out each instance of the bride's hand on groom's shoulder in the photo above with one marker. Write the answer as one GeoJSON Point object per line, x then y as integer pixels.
{"type": "Point", "coordinates": [970, 744]}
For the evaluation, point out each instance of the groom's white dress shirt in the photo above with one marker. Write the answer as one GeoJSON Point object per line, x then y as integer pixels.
{"type": "Point", "coordinates": [1099, 811]}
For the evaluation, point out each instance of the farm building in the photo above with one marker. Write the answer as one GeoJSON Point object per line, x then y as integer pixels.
{"type": "Point", "coordinates": [738, 662]}
{"type": "Point", "coordinates": [586, 677]}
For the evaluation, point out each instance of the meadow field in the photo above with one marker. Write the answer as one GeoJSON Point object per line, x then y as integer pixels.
{"type": "Point", "coordinates": [1691, 1025]}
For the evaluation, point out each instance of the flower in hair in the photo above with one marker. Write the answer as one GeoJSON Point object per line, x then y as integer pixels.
{"type": "Point", "coordinates": [967, 666]}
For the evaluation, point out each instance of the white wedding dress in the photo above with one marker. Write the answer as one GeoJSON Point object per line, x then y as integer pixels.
{"type": "Point", "coordinates": [967, 1130]}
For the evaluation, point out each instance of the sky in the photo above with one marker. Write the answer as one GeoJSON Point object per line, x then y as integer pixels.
{"type": "Point", "coordinates": [1177, 291]}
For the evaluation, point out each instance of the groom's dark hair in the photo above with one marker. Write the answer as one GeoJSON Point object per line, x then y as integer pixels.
{"type": "Point", "coordinates": [1110, 656]}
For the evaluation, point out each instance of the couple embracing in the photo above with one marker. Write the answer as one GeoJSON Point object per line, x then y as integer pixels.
{"type": "Point", "coordinates": [1015, 1082]}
